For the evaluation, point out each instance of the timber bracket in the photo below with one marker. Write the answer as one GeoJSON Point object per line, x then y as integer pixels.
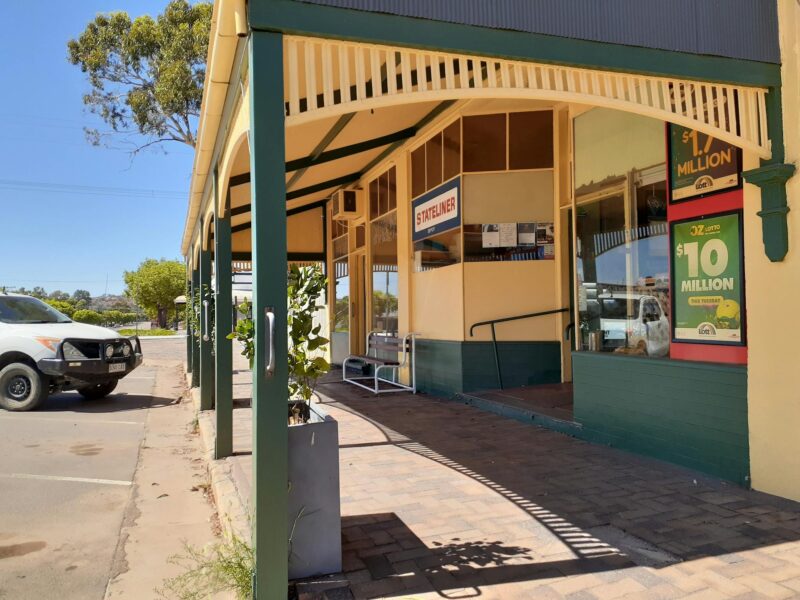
{"type": "Point", "coordinates": [772, 178]}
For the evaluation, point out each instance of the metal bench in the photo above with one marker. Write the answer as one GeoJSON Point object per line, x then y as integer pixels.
{"type": "Point", "coordinates": [381, 341]}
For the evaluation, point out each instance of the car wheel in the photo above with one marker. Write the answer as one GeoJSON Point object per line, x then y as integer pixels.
{"type": "Point", "coordinates": [97, 391]}
{"type": "Point", "coordinates": [22, 387]}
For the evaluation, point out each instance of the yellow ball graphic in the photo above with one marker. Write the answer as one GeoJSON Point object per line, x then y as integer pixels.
{"type": "Point", "coordinates": [728, 314]}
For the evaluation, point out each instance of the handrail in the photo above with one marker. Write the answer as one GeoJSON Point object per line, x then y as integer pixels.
{"type": "Point", "coordinates": [516, 318]}
{"type": "Point", "coordinates": [493, 322]}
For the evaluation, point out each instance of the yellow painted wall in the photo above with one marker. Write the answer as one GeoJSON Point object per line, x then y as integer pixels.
{"type": "Point", "coordinates": [773, 290]}
{"type": "Point", "coordinates": [304, 231]}
{"type": "Point", "coordinates": [437, 311]}
{"type": "Point", "coordinates": [500, 289]}
{"type": "Point", "coordinates": [508, 197]}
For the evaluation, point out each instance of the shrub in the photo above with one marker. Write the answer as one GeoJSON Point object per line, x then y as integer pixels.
{"type": "Point", "coordinates": [87, 316]}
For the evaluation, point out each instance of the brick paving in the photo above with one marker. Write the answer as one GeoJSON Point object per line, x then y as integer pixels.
{"type": "Point", "coordinates": [442, 500]}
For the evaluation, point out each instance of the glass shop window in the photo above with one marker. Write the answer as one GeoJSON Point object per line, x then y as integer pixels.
{"type": "Point", "coordinates": [341, 309]}
{"type": "Point", "coordinates": [383, 258]}
{"type": "Point", "coordinates": [485, 143]}
{"type": "Point", "coordinates": [622, 235]}
{"type": "Point", "coordinates": [438, 251]}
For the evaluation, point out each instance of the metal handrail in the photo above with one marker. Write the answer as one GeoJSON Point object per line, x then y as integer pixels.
{"type": "Point", "coordinates": [493, 322]}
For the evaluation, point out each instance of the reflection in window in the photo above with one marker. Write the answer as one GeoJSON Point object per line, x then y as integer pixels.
{"type": "Point", "coordinates": [383, 254]}
{"type": "Point", "coordinates": [438, 250]}
{"type": "Point", "coordinates": [622, 245]}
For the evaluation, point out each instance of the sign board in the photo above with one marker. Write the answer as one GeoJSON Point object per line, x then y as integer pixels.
{"type": "Point", "coordinates": [707, 280]}
{"type": "Point", "coordinates": [437, 211]}
{"type": "Point", "coordinates": [700, 164]}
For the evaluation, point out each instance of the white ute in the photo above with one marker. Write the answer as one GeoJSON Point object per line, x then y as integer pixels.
{"type": "Point", "coordinates": [43, 352]}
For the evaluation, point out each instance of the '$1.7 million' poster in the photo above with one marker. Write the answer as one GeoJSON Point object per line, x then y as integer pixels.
{"type": "Point", "coordinates": [707, 280]}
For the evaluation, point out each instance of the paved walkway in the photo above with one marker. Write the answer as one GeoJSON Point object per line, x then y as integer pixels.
{"type": "Point", "coordinates": [441, 500]}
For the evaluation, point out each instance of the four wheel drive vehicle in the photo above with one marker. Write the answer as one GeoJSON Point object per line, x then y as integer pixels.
{"type": "Point", "coordinates": [43, 352]}
{"type": "Point", "coordinates": [632, 320]}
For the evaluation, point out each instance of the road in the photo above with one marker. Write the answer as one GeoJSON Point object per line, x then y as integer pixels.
{"type": "Point", "coordinates": [67, 483]}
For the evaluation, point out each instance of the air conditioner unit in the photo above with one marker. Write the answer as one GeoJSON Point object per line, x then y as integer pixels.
{"type": "Point", "coordinates": [346, 205]}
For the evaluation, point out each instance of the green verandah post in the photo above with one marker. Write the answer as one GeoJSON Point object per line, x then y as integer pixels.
{"type": "Point", "coordinates": [270, 370]}
{"type": "Point", "coordinates": [223, 377]}
{"type": "Point", "coordinates": [188, 327]}
{"type": "Point", "coordinates": [206, 356]}
{"type": "Point", "coordinates": [192, 332]}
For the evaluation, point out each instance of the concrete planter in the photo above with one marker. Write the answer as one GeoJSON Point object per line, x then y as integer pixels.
{"type": "Point", "coordinates": [315, 525]}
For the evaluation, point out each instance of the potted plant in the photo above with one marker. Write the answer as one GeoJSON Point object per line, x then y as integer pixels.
{"type": "Point", "coordinates": [314, 516]}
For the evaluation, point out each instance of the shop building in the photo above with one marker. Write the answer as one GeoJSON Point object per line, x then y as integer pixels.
{"type": "Point", "coordinates": [585, 205]}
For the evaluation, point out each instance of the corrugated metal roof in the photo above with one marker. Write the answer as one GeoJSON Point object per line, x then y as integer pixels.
{"type": "Point", "coordinates": [746, 29]}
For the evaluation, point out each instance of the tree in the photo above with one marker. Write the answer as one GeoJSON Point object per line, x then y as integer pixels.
{"type": "Point", "coordinates": [84, 295]}
{"type": "Point", "coordinates": [62, 307]}
{"type": "Point", "coordinates": [87, 316]}
{"type": "Point", "coordinates": [155, 285]}
{"type": "Point", "coordinates": [146, 75]}
{"type": "Point", "coordinates": [38, 292]}
{"type": "Point", "coordinates": [59, 295]}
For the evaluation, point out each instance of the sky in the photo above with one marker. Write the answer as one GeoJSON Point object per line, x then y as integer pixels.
{"type": "Point", "coordinates": [57, 229]}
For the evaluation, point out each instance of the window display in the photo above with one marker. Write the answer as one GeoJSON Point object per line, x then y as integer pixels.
{"type": "Point", "coordinates": [622, 260]}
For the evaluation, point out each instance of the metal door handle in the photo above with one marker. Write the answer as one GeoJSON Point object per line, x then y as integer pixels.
{"type": "Point", "coordinates": [270, 363]}
{"type": "Point", "coordinates": [205, 312]}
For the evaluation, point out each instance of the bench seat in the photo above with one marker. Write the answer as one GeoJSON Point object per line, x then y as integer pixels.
{"type": "Point", "coordinates": [385, 342]}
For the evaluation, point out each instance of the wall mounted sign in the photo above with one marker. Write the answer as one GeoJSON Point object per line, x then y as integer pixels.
{"type": "Point", "coordinates": [700, 164]}
{"type": "Point", "coordinates": [437, 211]}
{"type": "Point", "coordinates": [707, 280]}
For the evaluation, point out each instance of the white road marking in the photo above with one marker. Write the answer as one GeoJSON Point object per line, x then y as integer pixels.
{"type": "Point", "coordinates": [57, 478]}
{"type": "Point", "coordinates": [64, 420]}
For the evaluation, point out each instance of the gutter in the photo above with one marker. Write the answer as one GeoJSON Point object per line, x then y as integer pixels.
{"type": "Point", "coordinates": [228, 24]}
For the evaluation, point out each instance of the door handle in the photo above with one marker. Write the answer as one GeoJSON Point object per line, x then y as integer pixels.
{"type": "Point", "coordinates": [270, 340]}
{"type": "Point", "coordinates": [206, 337]}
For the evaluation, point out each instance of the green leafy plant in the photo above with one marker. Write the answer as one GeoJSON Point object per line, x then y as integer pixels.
{"type": "Point", "coordinates": [306, 346]}
{"type": "Point", "coordinates": [225, 566]}
{"type": "Point", "coordinates": [244, 332]}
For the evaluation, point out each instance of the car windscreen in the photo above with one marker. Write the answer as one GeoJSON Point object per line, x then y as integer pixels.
{"type": "Point", "coordinates": [617, 308]}
{"type": "Point", "coordinates": [20, 310]}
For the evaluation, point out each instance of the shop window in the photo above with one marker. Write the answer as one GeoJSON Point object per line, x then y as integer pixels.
{"type": "Point", "coordinates": [621, 228]}
{"type": "Point", "coordinates": [451, 138]}
{"type": "Point", "coordinates": [433, 161]}
{"type": "Point", "coordinates": [530, 140]}
{"type": "Point", "coordinates": [438, 251]}
{"type": "Point", "coordinates": [383, 258]}
{"type": "Point", "coordinates": [383, 194]}
{"type": "Point", "coordinates": [485, 143]}
{"type": "Point", "coordinates": [418, 172]}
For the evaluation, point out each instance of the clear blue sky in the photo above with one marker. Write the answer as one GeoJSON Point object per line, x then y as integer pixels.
{"type": "Point", "coordinates": [74, 240]}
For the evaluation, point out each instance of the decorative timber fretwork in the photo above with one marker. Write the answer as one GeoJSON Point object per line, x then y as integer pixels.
{"type": "Point", "coordinates": [330, 78]}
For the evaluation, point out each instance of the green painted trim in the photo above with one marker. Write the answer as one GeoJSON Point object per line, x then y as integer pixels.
{"type": "Point", "coordinates": [188, 328]}
{"type": "Point", "coordinates": [689, 413]}
{"type": "Point", "coordinates": [223, 347]}
{"type": "Point", "coordinates": [298, 18]}
{"type": "Point", "coordinates": [445, 368]}
{"type": "Point", "coordinates": [194, 342]}
{"type": "Point", "coordinates": [270, 391]}
{"type": "Point", "coordinates": [326, 141]}
{"type": "Point", "coordinates": [324, 185]}
{"type": "Point", "coordinates": [206, 350]}
{"type": "Point", "coordinates": [345, 151]}
{"type": "Point", "coordinates": [772, 178]}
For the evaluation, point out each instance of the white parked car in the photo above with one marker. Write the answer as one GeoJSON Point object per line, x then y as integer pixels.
{"type": "Point", "coordinates": [632, 320]}
{"type": "Point", "coordinates": [43, 352]}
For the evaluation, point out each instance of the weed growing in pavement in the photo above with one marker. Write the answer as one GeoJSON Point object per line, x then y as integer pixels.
{"type": "Point", "coordinates": [195, 428]}
{"type": "Point", "coordinates": [225, 566]}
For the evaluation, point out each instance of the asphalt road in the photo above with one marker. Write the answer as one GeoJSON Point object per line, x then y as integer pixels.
{"type": "Point", "coordinates": [66, 475]}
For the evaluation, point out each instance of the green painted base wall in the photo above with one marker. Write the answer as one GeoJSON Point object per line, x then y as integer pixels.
{"type": "Point", "coordinates": [692, 414]}
{"type": "Point", "coordinates": [446, 368]}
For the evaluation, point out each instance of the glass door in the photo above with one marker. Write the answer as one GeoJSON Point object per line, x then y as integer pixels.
{"type": "Point", "coordinates": [340, 330]}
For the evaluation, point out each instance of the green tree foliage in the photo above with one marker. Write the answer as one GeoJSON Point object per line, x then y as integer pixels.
{"type": "Point", "coordinates": [81, 295]}
{"type": "Point", "coordinates": [88, 316]}
{"type": "Point", "coordinates": [38, 292]}
{"type": "Point", "coordinates": [156, 284]}
{"type": "Point", "coordinates": [59, 295]}
{"type": "Point", "coordinates": [146, 74]}
{"type": "Point", "coordinates": [62, 306]}
{"type": "Point", "coordinates": [244, 331]}
{"type": "Point", "coordinates": [306, 346]}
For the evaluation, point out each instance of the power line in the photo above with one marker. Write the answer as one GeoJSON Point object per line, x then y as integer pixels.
{"type": "Point", "coordinates": [90, 190]}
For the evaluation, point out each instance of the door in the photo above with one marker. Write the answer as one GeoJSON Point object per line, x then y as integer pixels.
{"type": "Point", "coordinates": [340, 327]}
{"type": "Point", "coordinates": [358, 303]}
